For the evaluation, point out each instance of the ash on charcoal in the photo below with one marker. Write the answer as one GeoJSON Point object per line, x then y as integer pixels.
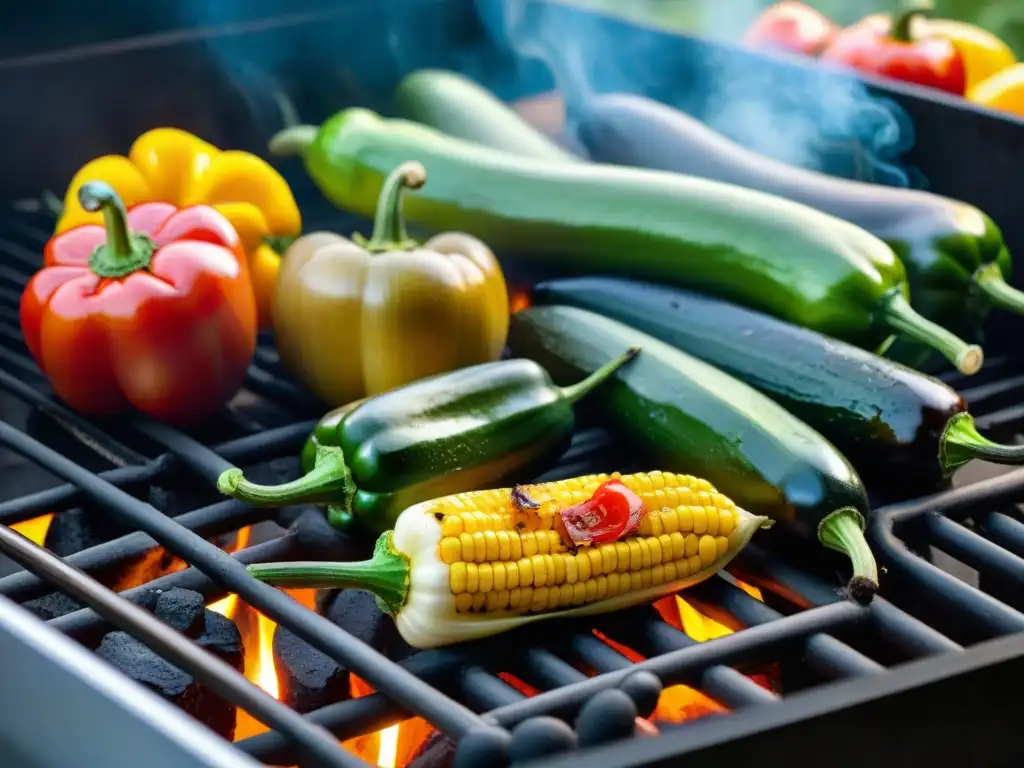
{"type": "Point", "coordinates": [437, 751]}
{"type": "Point", "coordinates": [51, 606]}
{"type": "Point", "coordinates": [308, 678]}
{"type": "Point", "coordinates": [217, 634]}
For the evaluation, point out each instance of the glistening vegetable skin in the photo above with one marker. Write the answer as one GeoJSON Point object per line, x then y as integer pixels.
{"type": "Point", "coordinates": [755, 249]}
{"type": "Point", "coordinates": [455, 432]}
{"type": "Point", "coordinates": [691, 417]}
{"type": "Point", "coordinates": [476, 564]}
{"type": "Point", "coordinates": [893, 423]}
{"type": "Point", "coordinates": [154, 311]}
{"type": "Point", "coordinates": [358, 318]}
{"type": "Point", "coordinates": [954, 255]}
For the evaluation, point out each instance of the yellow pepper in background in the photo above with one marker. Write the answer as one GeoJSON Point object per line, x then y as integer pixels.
{"type": "Point", "coordinates": [360, 317]}
{"type": "Point", "coordinates": [983, 53]}
{"type": "Point", "coordinates": [173, 166]}
{"type": "Point", "coordinates": [1004, 90]}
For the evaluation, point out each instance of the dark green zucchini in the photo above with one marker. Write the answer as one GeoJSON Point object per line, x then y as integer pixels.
{"type": "Point", "coordinates": [755, 249]}
{"type": "Point", "coordinates": [690, 417]}
{"type": "Point", "coordinates": [889, 421]}
{"type": "Point", "coordinates": [455, 105]}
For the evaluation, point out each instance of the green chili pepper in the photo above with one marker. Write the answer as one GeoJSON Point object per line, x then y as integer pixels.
{"type": "Point", "coordinates": [473, 428]}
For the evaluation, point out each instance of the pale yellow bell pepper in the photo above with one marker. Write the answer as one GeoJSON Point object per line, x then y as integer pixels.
{"type": "Point", "coordinates": [359, 317]}
{"type": "Point", "coordinates": [1003, 91]}
{"type": "Point", "coordinates": [173, 166]}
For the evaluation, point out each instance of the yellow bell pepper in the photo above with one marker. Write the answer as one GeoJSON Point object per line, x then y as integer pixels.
{"type": "Point", "coordinates": [1004, 90]}
{"type": "Point", "coordinates": [173, 166]}
{"type": "Point", "coordinates": [359, 318]}
{"type": "Point", "coordinates": [983, 53]}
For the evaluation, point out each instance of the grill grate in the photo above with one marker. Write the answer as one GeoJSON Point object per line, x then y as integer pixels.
{"type": "Point", "coordinates": [926, 612]}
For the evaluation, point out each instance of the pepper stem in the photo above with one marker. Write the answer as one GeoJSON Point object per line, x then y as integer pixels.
{"type": "Point", "coordinates": [328, 482]}
{"type": "Point", "coordinates": [386, 575]}
{"type": "Point", "coordinates": [124, 252]}
{"type": "Point", "coordinates": [574, 392]}
{"type": "Point", "coordinates": [898, 315]}
{"type": "Point", "coordinates": [843, 531]}
{"type": "Point", "coordinates": [389, 232]}
{"type": "Point", "coordinates": [904, 19]}
{"type": "Point", "coordinates": [295, 140]}
{"type": "Point", "coordinates": [961, 442]}
{"type": "Point", "coordinates": [990, 282]}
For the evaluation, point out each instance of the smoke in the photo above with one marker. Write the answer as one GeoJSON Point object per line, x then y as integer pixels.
{"type": "Point", "coordinates": [808, 116]}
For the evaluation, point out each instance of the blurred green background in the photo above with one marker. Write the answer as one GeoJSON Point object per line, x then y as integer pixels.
{"type": "Point", "coordinates": [726, 19]}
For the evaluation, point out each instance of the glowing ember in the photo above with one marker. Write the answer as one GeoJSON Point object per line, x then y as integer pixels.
{"type": "Point", "coordinates": [387, 754]}
{"type": "Point", "coordinates": [35, 529]}
{"type": "Point", "coordinates": [519, 298]}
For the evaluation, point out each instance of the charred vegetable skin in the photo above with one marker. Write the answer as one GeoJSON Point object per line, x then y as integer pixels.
{"type": "Point", "coordinates": [689, 416]}
{"type": "Point", "coordinates": [890, 421]}
{"type": "Point", "coordinates": [956, 262]}
{"type": "Point", "coordinates": [454, 432]}
{"type": "Point", "coordinates": [475, 564]}
{"type": "Point", "coordinates": [755, 249]}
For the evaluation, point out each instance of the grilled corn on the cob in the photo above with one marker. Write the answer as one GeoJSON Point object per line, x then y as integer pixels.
{"type": "Point", "coordinates": [475, 564]}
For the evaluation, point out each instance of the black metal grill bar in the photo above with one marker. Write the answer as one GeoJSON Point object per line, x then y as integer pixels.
{"type": "Point", "coordinates": [377, 670]}
{"type": "Point", "coordinates": [543, 669]}
{"type": "Point", "coordinates": [682, 665]}
{"type": "Point", "coordinates": [976, 551]}
{"type": "Point", "coordinates": [597, 655]}
{"type": "Point", "coordinates": [484, 691]}
{"type": "Point", "coordinates": [1006, 532]}
{"type": "Point", "coordinates": [318, 746]}
{"type": "Point", "coordinates": [991, 422]}
{"type": "Point", "coordinates": [733, 689]}
{"type": "Point", "coordinates": [219, 518]}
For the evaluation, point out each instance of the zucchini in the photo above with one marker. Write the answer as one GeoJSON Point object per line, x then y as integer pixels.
{"type": "Point", "coordinates": [693, 418]}
{"type": "Point", "coordinates": [956, 262]}
{"type": "Point", "coordinates": [755, 249]}
{"type": "Point", "coordinates": [455, 105]}
{"type": "Point", "coordinates": [888, 420]}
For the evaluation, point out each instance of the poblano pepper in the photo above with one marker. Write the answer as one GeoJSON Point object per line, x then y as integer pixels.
{"type": "Point", "coordinates": [472, 428]}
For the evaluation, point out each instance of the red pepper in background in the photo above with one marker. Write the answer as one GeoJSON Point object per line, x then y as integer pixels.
{"type": "Point", "coordinates": [791, 26]}
{"type": "Point", "coordinates": [154, 310]}
{"type": "Point", "coordinates": [612, 512]}
{"type": "Point", "coordinates": [882, 45]}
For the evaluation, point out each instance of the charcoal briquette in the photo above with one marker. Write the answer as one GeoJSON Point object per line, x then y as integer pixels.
{"type": "Point", "coordinates": [181, 609]}
{"type": "Point", "coordinates": [308, 679]}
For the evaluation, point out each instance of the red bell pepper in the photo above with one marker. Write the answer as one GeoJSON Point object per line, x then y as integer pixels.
{"type": "Point", "coordinates": [154, 310]}
{"type": "Point", "coordinates": [791, 26]}
{"type": "Point", "coordinates": [882, 45]}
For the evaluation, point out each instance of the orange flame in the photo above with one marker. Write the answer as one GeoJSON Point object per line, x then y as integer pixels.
{"type": "Point", "coordinates": [35, 529]}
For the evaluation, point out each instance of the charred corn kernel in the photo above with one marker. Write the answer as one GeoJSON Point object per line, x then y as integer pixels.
{"type": "Point", "coordinates": [471, 565]}
{"type": "Point", "coordinates": [691, 544]}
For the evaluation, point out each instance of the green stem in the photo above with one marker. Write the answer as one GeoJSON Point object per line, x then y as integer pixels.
{"type": "Point", "coordinates": [386, 575]}
{"type": "Point", "coordinates": [328, 482]}
{"type": "Point", "coordinates": [843, 531]}
{"type": "Point", "coordinates": [898, 315]}
{"type": "Point", "coordinates": [574, 392]}
{"type": "Point", "coordinates": [123, 253]}
{"type": "Point", "coordinates": [989, 280]}
{"type": "Point", "coordinates": [389, 233]}
{"type": "Point", "coordinates": [902, 21]}
{"type": "Point", "coordinates": [295, 140]}
{"type": "Point", "coordinates": [961, 442]}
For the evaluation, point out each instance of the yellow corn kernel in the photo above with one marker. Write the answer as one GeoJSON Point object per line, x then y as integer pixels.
{"type": "Point", "coordinates": [678, 546]}
{"type": "Point", "coordinates": [602, 588]}
{"type": "Point", "coordinates": [658, 574]}
{"type": "Point", "coordinates": [529, 540]}
{"type": "Point", "coordinates": [468, 547]}
{"type": "Point", "coordinates": [511, 575]}
{"type": "Point", "coordinates": [549, 569]}
{"type": "Point", "coordinates": [498, 572]}
{"type": "Point", "coordinates": [609, 558]}
{"type": "Point", "coordinates": [686, 518]}
{"type": "Point", "coordinates": [654, 547]}
{"type": "Point", "coordinates": [712, 517]}
{"type": "Point", "coordinates": [635, 581]}
{"type": "Point", "coordinates": [479, 600]}
{"type": "Point", "coordinates": [565, 594]}
{"type": "Point", "coordinates": [479, 547]}
{"type": "Point", "coordinates": [558, 562]}
{"type": "Point", "coordinates": [613, 584]}
{"type": "Point", "coordinates": [700, 520]}
{"type": "Point", "coordinates": [543, 543]}
{"type": "Point", "coordinates": [726, 522]}
{"type": "Point", "coordinates": [690, 547]}
{"type": "Point", "coordinates": [485, 576]}
{"type": "Point", "coordinates": [525, 572]}
{"type": "Point", "coordinates": [722, 545]}
{"type": "Point", "coordinates": [463, 602]}
{"type": "Point", "coordinates": [492, 551]}
{"type": "Point", "coordinates": [671, 572]}
{"type": "Point", "coordinates": [451, 550]}
{"type": "Point", "coordinates": [451, 525]}
{"type": "Point", "coordinates": [707, 550]}
{"type": "Point", "coordinates": [596, 561]}
{"type": "Point", "coordinates": [472, 577]}
{"type": "Point", "coordinates": [622, 556]}
{"type": "Point", "coordinates": [670, 521]}
{"type": "Point", "coordinates": [579, 593]}
{"type": "Point", "coordinates": [514, 595]}
{"type": "Point", "coordinates": [515, 546]}
{"type": "Point", "coordinates": [504, 548]}
{"type": "Point", "coordinates": [645, 553]}
{"type": "Point", "coordinates": [636, 555]}
{"type": "Point", "coordinates": [695, 564]}
{"type": "Point", "coordinates": [583, 565]}
{"type": "Point", "coordinates": [457, 578]}
{"type": "Point", "coordinates": [540, 600]}
{"type": "Point", "coordinates": [703, 498]}
{"type": "Point", "coordinates": [591, 590]}
{"type": "Point", "coordinates": [569, 568]}
{"type": "Point", "coordinates": [556, 543]}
